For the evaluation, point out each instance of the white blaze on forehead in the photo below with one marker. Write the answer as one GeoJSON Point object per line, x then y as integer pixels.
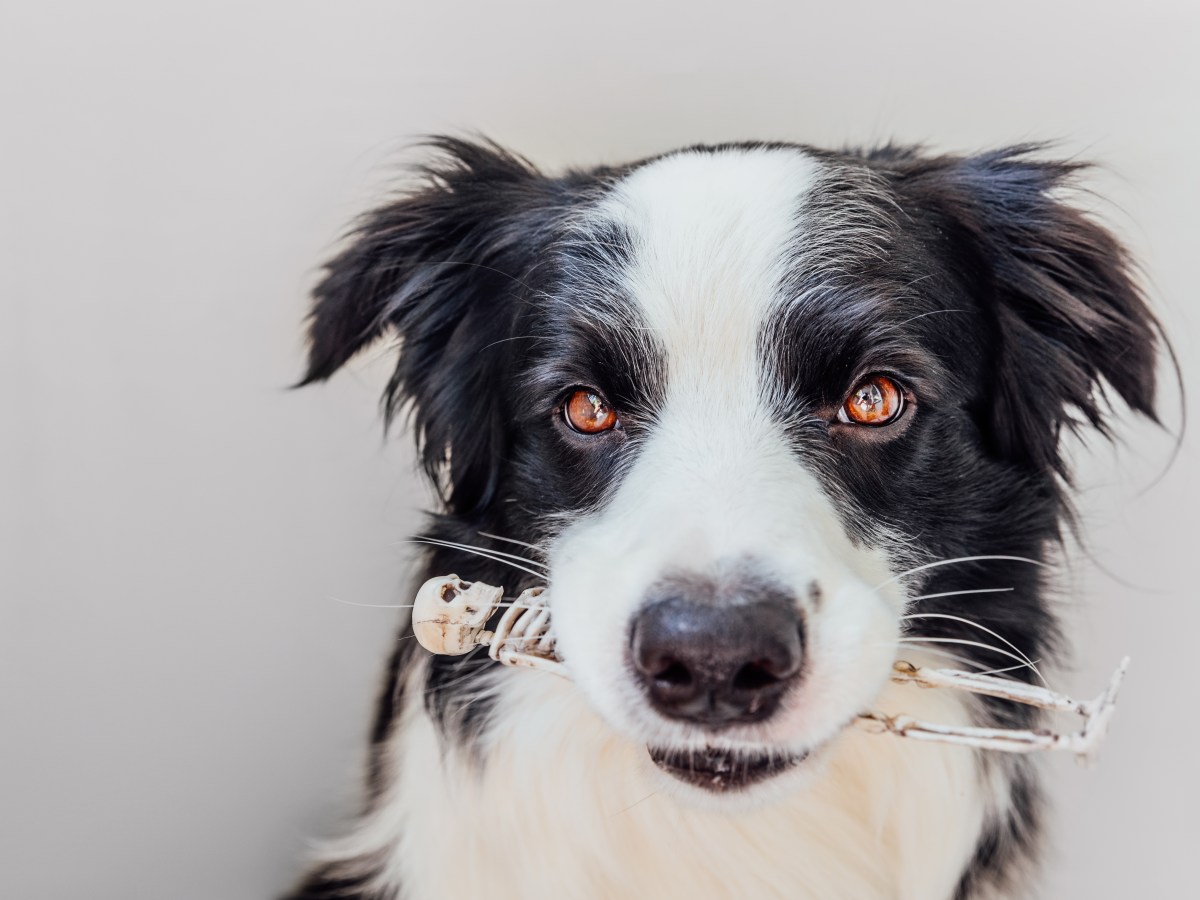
{"type": "Point", "coordinates": [711, 236]}
{"type": "Point", "coordinates": [715, 477]}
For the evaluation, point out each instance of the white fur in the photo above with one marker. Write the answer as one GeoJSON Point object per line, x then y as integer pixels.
{"type": "Point", "coordinates": [717, 480]}
{"type": "Point", "coordinates": [564, 808]}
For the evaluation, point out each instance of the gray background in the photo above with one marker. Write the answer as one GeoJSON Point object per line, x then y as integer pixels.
{"type": "Point", "coordinates": [183, 704]}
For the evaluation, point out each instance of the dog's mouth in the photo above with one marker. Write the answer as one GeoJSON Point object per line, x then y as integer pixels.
{"type": "Point", "coordinates": [721, 770]}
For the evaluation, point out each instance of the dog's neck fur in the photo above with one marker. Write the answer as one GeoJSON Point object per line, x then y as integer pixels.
{"type": "Point", "coordinates": [565, 808]}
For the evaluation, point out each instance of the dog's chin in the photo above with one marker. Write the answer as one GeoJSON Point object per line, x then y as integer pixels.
{"type": "Point", "coordinates": [722, 770]}
{"type": "Point", "coordinates": [742, 774]}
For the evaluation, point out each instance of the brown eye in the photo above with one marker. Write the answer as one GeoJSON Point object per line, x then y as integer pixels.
{"type": "Point", "coordinates": [589, 413]}
{"type": "Point", "coordinates": [876, 400]}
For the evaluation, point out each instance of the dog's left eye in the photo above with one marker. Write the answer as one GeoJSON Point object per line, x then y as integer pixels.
{"type": "Point", "coordinates": [876, 400]}
{"type": "Point", "coordinates": [587, 412]}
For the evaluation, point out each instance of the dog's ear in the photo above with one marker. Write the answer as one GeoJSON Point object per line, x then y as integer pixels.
{"type": "Point", "coordinates": [1071, 317]}
{"type": "Point", "coordinates": [442, 268]}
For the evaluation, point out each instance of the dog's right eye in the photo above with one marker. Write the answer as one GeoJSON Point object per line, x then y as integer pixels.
{"type": "Point", "coordinates": [875, 401]}
{"type": "Point", "coordinates": [587, 412]}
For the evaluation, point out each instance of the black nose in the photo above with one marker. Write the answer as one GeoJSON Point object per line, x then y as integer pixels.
{"type": "Point", "coordinates": [718, 664]}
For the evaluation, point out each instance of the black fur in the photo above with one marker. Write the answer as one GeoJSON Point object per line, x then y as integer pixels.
{"type": "Point", "coordinates": [1008, 310]}
{"type": "Point", "coordinates": [333, 882]}
{"type": "Point", "coordinates": [445, 269]}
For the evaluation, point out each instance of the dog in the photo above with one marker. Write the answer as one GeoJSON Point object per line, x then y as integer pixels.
{"type": "Point", "coordinates": [764, 419]}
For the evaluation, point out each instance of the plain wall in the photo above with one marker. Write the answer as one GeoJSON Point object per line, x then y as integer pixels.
{"type": "Point", "coordinates": [184, 702]}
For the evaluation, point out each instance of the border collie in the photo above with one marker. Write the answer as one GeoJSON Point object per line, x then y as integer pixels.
{"type": "Point", "coordinates": [764, 419]}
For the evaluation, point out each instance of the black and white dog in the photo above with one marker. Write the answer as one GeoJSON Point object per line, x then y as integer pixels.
{"type": "Point", "coordinates": [764, 419]}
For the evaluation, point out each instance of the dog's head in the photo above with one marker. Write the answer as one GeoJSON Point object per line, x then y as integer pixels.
{"type": "Point", "coordinates": [748, 403]}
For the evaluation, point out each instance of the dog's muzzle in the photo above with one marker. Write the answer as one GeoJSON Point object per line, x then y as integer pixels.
{"type": "Point", "coordinates": [728, 664]}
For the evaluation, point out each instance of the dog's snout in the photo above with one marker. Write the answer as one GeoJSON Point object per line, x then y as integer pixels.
{"type": "Point", "coordinates": [718, 665]}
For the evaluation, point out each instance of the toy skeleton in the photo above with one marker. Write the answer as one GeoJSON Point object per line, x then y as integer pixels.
{"type": "Point", "coordinates": [450, 617]}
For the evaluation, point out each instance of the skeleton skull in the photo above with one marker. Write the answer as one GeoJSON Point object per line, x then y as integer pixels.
{"type": "Point", "coordinates": [449, 614]}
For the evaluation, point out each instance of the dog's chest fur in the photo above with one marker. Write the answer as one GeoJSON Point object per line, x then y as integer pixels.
{"type": "Point", "coordinates": [559, 807]}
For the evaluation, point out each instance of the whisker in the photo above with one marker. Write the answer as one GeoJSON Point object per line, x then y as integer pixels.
{"type": "Point", "coordinates": [508, 540]}
{"type": "Point", "coordinates": [984, 628]}
{"type": "Point", "coordinates": [372, 605]}
{"type": "Point", "coordinates": [477, 552]}
{"type": "Point", "coordinates": [959, 559]}
{"type": "Point", "coordinates": [963, 643]}
{"type": "Point", "coordinates": [444, 542]}
{"type": "Point", "coordinates": [975, 664]}
{"type": "Point", "coordinates": [960, 593]}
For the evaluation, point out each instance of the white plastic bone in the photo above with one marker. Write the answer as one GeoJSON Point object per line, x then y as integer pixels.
{"type": "Point", "coordinates": [450, 617]}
